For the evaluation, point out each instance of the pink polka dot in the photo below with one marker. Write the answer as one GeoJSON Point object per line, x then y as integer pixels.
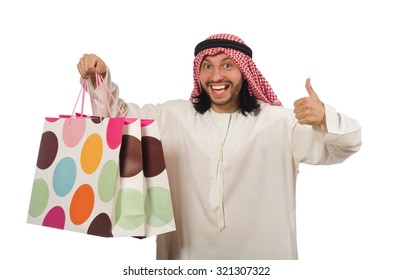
{"type": "Point", "coordinates": [73, 131]}
{"type": "Point", "coordinates": [48, 119]}
{"type": "Point", "coordinates": [114, 132]}
{"type": "Point", "coordinates": [146, 122]}
{"type": "Point", "coordinates": [129, 120]}
{"type": "Point", "coordinates": [55, 218]}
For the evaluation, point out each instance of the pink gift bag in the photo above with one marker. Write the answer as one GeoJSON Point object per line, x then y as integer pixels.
{"type": "Point", "coordinates": [101, 176]}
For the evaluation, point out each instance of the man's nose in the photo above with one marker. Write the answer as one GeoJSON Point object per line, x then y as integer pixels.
{"type": "Point", "coordinates": [217, 75]}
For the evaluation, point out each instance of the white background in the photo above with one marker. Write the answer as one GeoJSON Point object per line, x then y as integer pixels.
{"type": "Point", "coordinates": [344, 212]}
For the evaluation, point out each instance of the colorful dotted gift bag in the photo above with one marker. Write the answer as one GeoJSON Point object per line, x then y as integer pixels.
{"type": "Point", "coordinates": [146, 165]}
{"type": "Point", "coordinates": [101, 176]}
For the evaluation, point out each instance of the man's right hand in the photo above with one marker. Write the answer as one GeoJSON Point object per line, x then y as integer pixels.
{"type": "Point", "coordinates": [90, 64]}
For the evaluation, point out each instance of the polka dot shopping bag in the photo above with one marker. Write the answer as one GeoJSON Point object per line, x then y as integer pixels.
{"type": "Point", "coordinates": [101, 176]}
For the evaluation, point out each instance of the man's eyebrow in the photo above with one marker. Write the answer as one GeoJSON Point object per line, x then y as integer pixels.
{"type": "Point", "coordinates": [222, 60]}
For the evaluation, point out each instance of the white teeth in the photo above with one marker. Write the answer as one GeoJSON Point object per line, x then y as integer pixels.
{"type": "Point", "coordinates": [218, 87]}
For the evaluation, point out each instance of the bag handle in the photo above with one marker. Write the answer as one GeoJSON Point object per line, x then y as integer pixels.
{"type": "Point", "coordinates": [85, 88]}
{"type": "Point", "coordinates": [105, 91]}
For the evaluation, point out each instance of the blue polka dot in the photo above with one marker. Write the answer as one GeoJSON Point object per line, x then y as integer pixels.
{"type": "Point", "coordinates": [64, 176]}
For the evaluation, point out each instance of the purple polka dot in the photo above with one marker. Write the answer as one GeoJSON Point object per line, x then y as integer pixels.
{"type": "Point", "coordinates": [55, 218]}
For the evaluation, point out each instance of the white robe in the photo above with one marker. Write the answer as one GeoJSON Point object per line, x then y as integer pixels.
{"type": "Point", "coordinates": [233, 177]}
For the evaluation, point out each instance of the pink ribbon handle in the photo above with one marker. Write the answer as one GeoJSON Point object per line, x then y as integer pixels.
{"type": "Point", "coordinates": [102, 91]}
{"type": "Point", "coordinates": [105, 91]}
{"type": "Point", "coordinates": [85, 88]}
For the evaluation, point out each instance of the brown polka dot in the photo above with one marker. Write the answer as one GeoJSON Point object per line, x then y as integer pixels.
{"type": "Point", "coordinates": [96, 119]}
{"type": "Point", "coordinates": [153, 156]}
{"type": "Point", "coordinates": [48, 150]}
{"type": "Point", "coordinates": [101, 225]}
{"type": "Point", "coordinates": [130, 156]}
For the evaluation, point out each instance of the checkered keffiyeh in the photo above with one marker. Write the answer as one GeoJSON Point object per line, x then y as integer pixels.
{"type": "Point", "coordinates": [257, 84]}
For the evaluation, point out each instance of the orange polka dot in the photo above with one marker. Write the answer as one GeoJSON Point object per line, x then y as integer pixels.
{"type": "Point", "coordinates": [82, 204]}
{"type": "Point", "coordinates": [91, 153]}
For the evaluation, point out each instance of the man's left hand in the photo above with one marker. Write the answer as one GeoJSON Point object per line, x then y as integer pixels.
{"type": "Point", "coordinates": [310, 110]}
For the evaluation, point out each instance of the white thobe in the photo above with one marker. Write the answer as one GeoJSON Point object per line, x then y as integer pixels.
{"type": "Point", "coordinates": [233, 177]}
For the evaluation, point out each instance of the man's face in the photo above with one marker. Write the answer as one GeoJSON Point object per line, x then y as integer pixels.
{"type": "Point", "coordinates": [222, 80]}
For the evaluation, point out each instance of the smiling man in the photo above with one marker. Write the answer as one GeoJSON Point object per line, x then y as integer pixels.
{"type": "Point", "coordinates": [221, 79]}
{"type": "Point", "coordinates": [232, 154]}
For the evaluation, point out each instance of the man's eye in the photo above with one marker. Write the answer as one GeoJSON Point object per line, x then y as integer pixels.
{"type": "Point", "coordinates": [206, 66]}
{"type": "Point", "coordinates": [227, 65]}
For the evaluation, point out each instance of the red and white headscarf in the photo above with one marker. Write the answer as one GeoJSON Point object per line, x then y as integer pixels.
{"type": "Point", "coordinates": [242, 56]}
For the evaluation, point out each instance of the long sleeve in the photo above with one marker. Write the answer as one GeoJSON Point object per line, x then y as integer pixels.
{"type": "Point", "coordinates": [333, 143]}
{"type": "Point", "coordinates": [111, 105]}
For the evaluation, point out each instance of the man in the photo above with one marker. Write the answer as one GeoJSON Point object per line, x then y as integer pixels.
{"type": "Point", "coordinates": [232, 154]}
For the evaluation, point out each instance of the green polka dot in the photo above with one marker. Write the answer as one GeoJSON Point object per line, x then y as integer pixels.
{"type": "Point", "coordinates": [39, 198]}
{"type": "Point", "coordinates": [107, 181]}
{"type": "Point", "coordinates": [158, 206]}
{"type": "Point", "coordinates": [129, 209]}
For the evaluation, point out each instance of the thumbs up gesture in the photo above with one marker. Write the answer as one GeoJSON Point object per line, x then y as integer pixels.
{"type": "Point", "coordinates": [310, 110]}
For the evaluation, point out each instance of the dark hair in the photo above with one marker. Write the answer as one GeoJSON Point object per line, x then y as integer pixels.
{"type": "Point", "coordinates": [248, 102]}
